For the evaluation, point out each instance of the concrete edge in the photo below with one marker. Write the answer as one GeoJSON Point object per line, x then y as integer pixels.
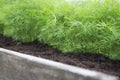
{"type": "Point", "coordinates": [62, 66]}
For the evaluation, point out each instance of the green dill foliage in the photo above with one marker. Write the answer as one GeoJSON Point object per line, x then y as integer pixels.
{"type": "Point", "coordinates": [90, 26]}
{"type": "Point", "coordinates": [1, 24]}
{"type": "Point", "coordinates": [93, 26]}
{"type": "Point", "coordinates": [22, 21]}
{"type": "Point", "coordinates": [1, 18]}
{"type": "Point", "coordinates": [1, 28]}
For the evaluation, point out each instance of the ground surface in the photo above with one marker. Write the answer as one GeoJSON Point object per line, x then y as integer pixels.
{"type": "Point", "coordinates": [90, 61]}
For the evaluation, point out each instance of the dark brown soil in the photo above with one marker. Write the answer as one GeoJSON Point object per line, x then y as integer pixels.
{"type": "Point", "coordinates": [90, 61]}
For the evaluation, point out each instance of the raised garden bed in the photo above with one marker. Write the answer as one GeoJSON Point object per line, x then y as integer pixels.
{"type": "Point", "coordinates": [84, 34]}
{"type": "Point", "coordinates": [89, 61]}
{"type": "Point", "coordinates": [18, 66]}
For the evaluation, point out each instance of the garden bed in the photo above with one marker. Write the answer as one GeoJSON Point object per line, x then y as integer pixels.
{"type": "Point", "coordinates": [19, 66]}
{"type": "Point", "coordinates": [90, 61]}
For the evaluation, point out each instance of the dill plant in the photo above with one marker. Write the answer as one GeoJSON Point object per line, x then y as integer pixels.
{"type": "Point", "coordinates": [22, 21]}
{"type": "Point", "coordinates": [93, 26]}
{"type": "Point", "coordinates": [1, 18]}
